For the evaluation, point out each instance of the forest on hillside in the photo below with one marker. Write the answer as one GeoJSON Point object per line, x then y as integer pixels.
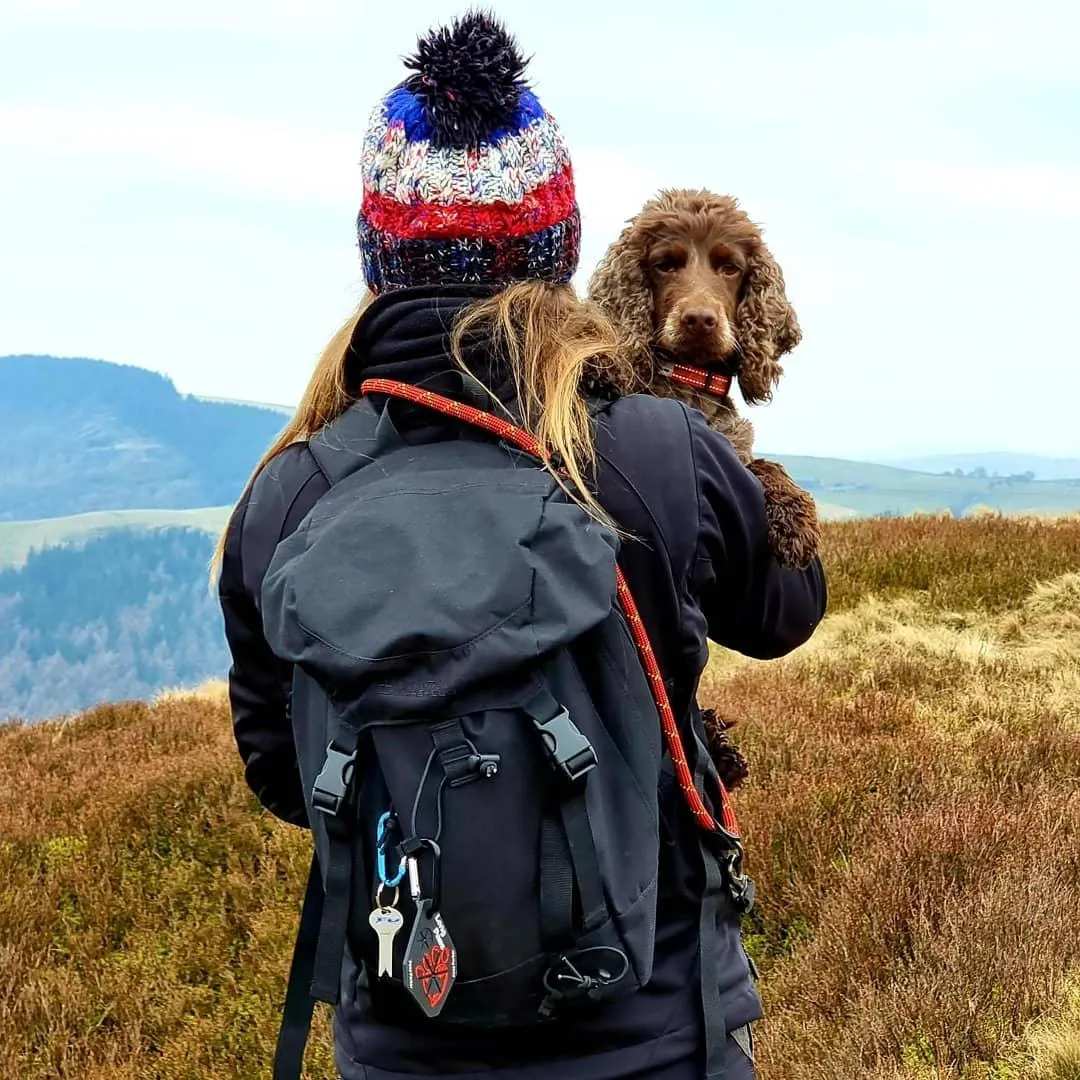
{"type": "Point", "coordinates": [83, 435]}
{"type": "Point", "coordinates": [122, 617]}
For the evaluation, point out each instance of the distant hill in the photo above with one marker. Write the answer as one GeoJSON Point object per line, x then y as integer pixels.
{"type": "Point", "coordinates": [84, 436]}
{"type": "Point", "coordinates": [113, 486]}
{"type": "Point", "coordinates": [993, 463]}
{"type": "Point", "coordinates": [81, 435]}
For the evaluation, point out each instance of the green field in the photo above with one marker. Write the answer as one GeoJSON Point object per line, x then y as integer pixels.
{"type": "Point", "coordinates": [867, 490]}
{"type": "Point", "coordinates": [19, 538]}
{"type": "Point", "coordinates": [828, 511]}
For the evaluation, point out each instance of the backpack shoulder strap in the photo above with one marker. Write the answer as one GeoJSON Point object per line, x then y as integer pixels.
{"type": "Point", "coordinates": [315, 972]}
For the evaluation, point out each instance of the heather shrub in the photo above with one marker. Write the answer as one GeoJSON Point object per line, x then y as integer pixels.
{"type": "Point", "coordinates": [912, 818]}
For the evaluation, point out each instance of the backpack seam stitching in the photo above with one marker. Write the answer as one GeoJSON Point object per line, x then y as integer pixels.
{"type": "Point", "coordinates": [427, 652]}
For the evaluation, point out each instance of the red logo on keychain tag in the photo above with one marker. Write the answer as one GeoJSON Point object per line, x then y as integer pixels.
{"type": "Point", "coordinates": [430, 965]}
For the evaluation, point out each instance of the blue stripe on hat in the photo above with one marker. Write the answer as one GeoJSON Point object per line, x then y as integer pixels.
{"type": "Point", "coordinates": [405, 108]}
{"type": "Point", "coordinates": [528, 110]}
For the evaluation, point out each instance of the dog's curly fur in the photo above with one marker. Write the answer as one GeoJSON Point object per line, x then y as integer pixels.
{"type": "Point", "coordinates": [760, 328]}
{"type": "Point", "coordinates": [731, 764]}
{"type": "Point", "coordinates": [755, 327]}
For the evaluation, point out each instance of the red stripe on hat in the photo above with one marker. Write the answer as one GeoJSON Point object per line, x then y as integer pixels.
{"type": "Point", "coordinates": [545, 206]}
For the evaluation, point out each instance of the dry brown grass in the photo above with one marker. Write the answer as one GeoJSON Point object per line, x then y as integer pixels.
{"type": "Point", "coordinates": [146, 907]}
{"type": "Point", "coordinates": [913, 816]}
{"type": "Point", "coordinates": [986, 563]}
{"type": "Point", "coordinates": [913, 811]}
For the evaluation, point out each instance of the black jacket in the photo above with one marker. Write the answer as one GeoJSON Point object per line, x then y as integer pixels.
{"type": "Point", "coordinates": [700, 568]}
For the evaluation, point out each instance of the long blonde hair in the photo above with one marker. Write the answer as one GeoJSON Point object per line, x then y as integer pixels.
{"type": "Point", "coordinates": [554, 345]}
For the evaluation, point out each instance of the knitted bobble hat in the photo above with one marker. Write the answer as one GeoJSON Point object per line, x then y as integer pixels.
{"type": "Point", "coordinates": [466, 176]}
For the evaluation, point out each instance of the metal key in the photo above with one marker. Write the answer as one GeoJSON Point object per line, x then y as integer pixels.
{"type": "Point", "coordinates": [386, 921]}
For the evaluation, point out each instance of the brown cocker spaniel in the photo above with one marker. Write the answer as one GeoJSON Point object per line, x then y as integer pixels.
{"type": "Point", "coordinates": [701, 301]}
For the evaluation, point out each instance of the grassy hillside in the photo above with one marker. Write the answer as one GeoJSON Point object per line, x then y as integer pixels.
{"type": "Point", "coordinates": [867, 490]}
{"type": "Point", "coordinates": [19, 538]}
{"type": "Point", "coordinates": [1002, 462]}
{"type": "Point", "coordinates": [914, 814]}
{"type": "Point", "coordinates": [913, 820]}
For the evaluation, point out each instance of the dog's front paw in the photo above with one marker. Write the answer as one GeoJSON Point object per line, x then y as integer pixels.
{"type": "Point", "coordinates": [791, 516]}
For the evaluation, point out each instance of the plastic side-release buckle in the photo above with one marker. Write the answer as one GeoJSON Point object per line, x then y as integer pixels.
{"type": "Point", "coordinates": [570, 752]}
{"type": "Point", "coordinates": [331, 787]}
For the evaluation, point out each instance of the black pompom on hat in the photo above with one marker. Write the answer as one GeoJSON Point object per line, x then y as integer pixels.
{"type": "Point", "coordinates": [469, 79]}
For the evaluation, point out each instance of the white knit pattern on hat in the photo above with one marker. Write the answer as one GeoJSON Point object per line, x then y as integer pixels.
{"type": "Point", "coordinates": [500, 172]}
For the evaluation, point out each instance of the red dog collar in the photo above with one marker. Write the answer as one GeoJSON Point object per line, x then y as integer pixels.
{"type": "Point", "coordinates": [717, 383]}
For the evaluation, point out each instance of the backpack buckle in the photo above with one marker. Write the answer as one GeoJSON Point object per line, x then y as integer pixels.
{"type": "Point", "coordinates": [740, 886]}
{"type": "Point", "coordinates": [570, 752]}
{"type": "Point", "coordinates": [331, 787]}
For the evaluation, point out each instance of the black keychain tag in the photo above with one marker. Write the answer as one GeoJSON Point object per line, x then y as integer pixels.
{"type": "Point", "coordinates": [430, 965]}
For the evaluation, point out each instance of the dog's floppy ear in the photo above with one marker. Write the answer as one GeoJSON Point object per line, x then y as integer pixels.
{"type": "Point", "coordinates": [765, 325]}
{"type": "Point", "coordinates": [620, 287]}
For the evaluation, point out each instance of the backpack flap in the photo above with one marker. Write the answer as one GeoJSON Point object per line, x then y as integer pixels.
{"type": "Point", "coordinates": [439, 569]}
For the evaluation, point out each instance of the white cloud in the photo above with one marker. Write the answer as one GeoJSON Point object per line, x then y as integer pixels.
{"type": "Point", "coordinates": [252, 16]}
{"type": "Point", "coordinates": [189, 206]}
{"type": "Point", "coordinates": [1035, 191]}
{"type": "Point", "coordinates": [219, 152]}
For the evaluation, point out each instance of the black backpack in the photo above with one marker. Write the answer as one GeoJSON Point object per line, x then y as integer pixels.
{"type": "Point", "coordinates": [477, 736]}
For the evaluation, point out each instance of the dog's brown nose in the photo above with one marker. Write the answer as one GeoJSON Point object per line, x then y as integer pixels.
{"type": "Point", "coordinates": [699, 320]}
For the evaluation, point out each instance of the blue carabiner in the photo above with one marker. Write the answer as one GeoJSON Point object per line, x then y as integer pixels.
{"type": "Point", "coordinates": [380, 854]}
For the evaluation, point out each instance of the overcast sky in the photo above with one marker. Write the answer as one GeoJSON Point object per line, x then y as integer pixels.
{"type": "Point", "coordinates": [179, 185]}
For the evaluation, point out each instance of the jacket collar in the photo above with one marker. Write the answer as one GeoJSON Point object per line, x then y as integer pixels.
{"type": "Point", "coordinates": [405, 335]}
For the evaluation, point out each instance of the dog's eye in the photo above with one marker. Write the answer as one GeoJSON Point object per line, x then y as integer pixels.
{"type": "Point", "coordinates": [668, 262]}
{"type": "Point", "coordinates": [728, 269]}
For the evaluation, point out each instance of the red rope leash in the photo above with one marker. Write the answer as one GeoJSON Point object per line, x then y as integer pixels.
{"type": "Point", "coordinates": [522, 439]}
